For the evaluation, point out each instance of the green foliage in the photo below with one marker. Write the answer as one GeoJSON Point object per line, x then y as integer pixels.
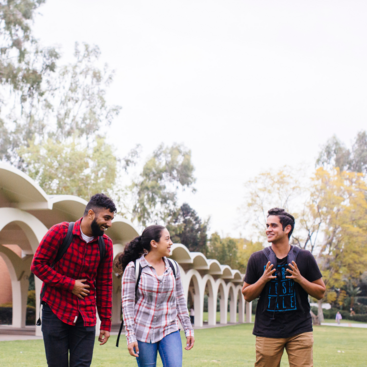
{"type": "Point", "coordinates": [31, 298]}
{"type": "Point", "coordinates": [225, 250]}
{"type": "Point", "coordinates": [155, 190]}
{"type": "Point", "coordinates": [72, 168]}
{"type": "Point", "coordinates": [186, 227]}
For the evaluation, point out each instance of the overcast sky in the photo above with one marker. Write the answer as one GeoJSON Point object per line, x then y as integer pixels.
{"type": "Point", "coordinates": [246, 85]}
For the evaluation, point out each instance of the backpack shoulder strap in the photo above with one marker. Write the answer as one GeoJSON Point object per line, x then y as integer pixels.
{"type": "Point", "coordinates": [293, 253]}
{"type": "Point", "coordinates": [65, 244]}
{"type": "Point", "coordinates": [138, 270]}
{"type": "Point", "coordinates": [102, 248]}
{"type": "Point", "coordinates": [173, 264]}
{"type": "Point", "coordinates": [269, 253]}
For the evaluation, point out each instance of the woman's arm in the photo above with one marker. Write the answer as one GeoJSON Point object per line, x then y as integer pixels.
{"type": "Point", "coordinates": [182, 312]}
{"type": "Point", "coordinates": [128, 301]}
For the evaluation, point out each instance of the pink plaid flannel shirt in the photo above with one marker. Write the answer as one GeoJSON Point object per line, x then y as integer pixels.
{"type": "Point", "coordinates": [152, 313]}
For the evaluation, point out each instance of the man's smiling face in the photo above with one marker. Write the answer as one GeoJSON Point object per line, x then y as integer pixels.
{"type": "Point", "coordinates": [274, 229]}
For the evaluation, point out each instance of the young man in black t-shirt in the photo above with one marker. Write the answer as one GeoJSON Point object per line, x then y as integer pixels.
{"type": "Point", "coordinates": [283, 317]}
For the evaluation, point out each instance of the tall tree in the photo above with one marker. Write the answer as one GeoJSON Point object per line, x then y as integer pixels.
{"type": "Point", "coordinates": [166, 172]}
{"type": "Point", "coordinates": [186, 227]}
{"type": "Point", "coordinates": [334, 154]}
{"type": "Point", "coordinates": [341, 199]}
{"type": "Point", "coordinates": [24, 68]}
{"type": "Point", "coordinates": [225, 250]}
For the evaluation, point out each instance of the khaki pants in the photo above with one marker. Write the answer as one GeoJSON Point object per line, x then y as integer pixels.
{"type": "Point", "coordinates": [269, 351]}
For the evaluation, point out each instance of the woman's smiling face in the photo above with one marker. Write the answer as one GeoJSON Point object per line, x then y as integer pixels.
{"type": "Point", "coordinates": [164, 244]}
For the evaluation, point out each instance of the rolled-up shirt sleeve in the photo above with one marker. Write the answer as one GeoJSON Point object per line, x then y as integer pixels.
{"type": "Point", "coordinates": [128, 301]}
{"type": "Point", "coordinates": [182, 311]}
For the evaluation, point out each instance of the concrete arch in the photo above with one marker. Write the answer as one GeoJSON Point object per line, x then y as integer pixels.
{"type": "Point", "coordinates": [209, 282]}
{"type": "Point", "coordinates": [226, 272]}
{"type": "Point", "coordinates": [19, 270]}
{"type": "Point", "coordinates": [181, 254]}
{"type": "Point", "coordinates": [197, 294]}
{"type": "Point", "coordinates": [34, 229]}
{"type": "Point", "coordinates": [23, 192]}
{"type": "Point", "coordinates": [214, 267]}
{"type": "Point", "coordinates": [199, 261]}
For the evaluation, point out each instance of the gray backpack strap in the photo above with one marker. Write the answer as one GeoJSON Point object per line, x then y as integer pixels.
{"type": "Point", "coordinates": [138, 270]}
{"type": "Point", "coordinates": [174, 266]}
{"type": "Point", "coordinates": [269, 253]}
{"type": "Point", "coordinates": [293, 253]}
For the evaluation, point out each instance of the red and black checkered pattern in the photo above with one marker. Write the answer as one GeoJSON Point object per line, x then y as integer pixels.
{"type": "Point", "coordinates": [81, 261]}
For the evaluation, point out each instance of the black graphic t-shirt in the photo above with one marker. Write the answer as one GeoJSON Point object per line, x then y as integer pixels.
{"type": "Point", "coordinates": [283, 309]}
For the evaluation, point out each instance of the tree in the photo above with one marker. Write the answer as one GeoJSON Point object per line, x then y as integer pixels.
{"type": "Point", "coordinates": [245, 249]}
{"type": "Point", "coordinates": [225, 250]}
{"type": "Point", "coordinates": [186, 227]}
{"type": "Point", "coordinates": [335, 154]}
{"type": "Point", "coordinates": [72, 168]}
{"type": "Point", "coordinates": [166, 172]}
{"type": "Point", "coordinates": [267, 190]}
{"type": "Point", "coordinates": [24, 67]}
{"type": "Point", "coordinates": [342, 206]}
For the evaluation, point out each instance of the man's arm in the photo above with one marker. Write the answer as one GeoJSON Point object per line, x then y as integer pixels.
{"type": "Point", "coordinates": [45, 255]}
{"type": "Point", "coordinates": [252, 291]}
{"type": "Point", "coordinates": [104, 292]}
{"type": "Point", "coordinates": [315, 289]}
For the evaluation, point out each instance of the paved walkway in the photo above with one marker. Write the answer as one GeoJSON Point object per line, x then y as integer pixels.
{"type": "Point", "coordinates": [345, 324]}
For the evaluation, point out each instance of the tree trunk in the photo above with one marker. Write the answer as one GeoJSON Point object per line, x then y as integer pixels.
{"type": "Point", "coordinates": [320, 314]}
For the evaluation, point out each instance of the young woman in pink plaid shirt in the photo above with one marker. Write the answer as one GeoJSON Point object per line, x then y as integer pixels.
{"type": "Point", "coordinates": [151, 313]}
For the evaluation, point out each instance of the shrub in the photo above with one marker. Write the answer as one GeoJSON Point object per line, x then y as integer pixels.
{"type": "Point", "coordinates": [362, 318]}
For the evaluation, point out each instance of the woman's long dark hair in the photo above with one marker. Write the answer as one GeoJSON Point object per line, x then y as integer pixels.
{"type": "Point", "coordinates": [134, 249]}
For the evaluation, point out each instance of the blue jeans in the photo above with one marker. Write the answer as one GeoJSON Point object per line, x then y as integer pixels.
{"type": "Point", "coordinates": [170, 350]}
{"type": "Point", "coordinates": [61, 338]}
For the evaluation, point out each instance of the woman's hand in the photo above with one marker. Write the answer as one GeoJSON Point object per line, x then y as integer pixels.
{"type": "Point", "coordinates": [190, 340]}
{"type": "Point", "coordinates": [133, 349]}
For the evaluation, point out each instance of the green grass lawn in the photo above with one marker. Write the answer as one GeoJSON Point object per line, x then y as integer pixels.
{"type": "Point", "coordinates": [205, 317]}
{"type": "Point", "coordinates": [226, 346]}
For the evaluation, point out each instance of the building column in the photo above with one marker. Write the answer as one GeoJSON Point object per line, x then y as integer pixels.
{"type": "Point", "coordinates": [20, 296]}
{"type": "Point", "coordinates": [241, 308]}
{"type": "Point", "coordinates": [248, 312]}
{"type": "Point", "coordinates": [233, 307]}
{"type": "Point", "coordinates": [212, 307]}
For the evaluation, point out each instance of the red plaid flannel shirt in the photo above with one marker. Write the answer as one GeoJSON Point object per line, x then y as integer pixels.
{"type": "Point", "coordinates": [81, 261]}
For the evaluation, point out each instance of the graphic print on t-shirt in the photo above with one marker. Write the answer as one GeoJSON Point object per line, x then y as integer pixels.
{"type": "Point", "coordinates": [281, 294]}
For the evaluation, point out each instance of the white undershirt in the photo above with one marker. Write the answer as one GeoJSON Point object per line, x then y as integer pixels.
{"type": "Point", "coordinates": [87, 239]}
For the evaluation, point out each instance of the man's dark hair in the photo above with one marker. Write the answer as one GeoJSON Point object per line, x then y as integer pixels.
{"type": "Point", "coordinates": [100, 201]}
{"type": "Point", "coordinates": [284, 218]}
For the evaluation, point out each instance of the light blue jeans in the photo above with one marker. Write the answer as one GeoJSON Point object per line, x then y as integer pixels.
{"type": "Point", "coordinates": [170, 350]}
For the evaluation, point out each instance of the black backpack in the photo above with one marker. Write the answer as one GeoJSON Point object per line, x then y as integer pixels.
{"type": "Point", "coordinates": [62, 251]}
{"type": "Point", "coordinates": [292, 256]}
{"type": "Point", "coordinates": [172, 264]}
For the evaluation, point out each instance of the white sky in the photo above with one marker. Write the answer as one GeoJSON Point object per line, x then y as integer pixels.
{"type": "Point", "coordinates": [246, 85]}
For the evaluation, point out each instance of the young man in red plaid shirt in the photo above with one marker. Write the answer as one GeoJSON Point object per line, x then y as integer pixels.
{"type": "Point", "coordinates": [75, 285]}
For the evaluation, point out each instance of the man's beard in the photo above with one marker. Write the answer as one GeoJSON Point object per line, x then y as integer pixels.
{"type": "Point", "coordinates": [96, 229]}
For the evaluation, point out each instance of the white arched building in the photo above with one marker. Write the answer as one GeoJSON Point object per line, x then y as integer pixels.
{"type": "Point", "coordinates": [27, 212]}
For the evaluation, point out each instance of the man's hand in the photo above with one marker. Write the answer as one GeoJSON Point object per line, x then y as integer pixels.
{"type": "Point", "coordinates": [80, 289]}
{"type": "Point", "coordinates": [268, 273]}
{"type": "Point", "coordinates": [133, 349]}
{"type": "Point", "coordinates": [103, 336]}
{"type": "Point", "coordinates": [189, 342]}
{"type": "Point", "coordinates": [295, 273]}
